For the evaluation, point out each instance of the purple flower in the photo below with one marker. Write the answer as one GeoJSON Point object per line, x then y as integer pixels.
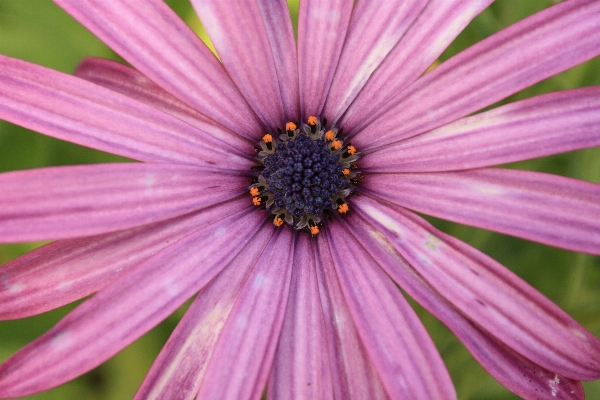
{"type": "Point", "coordinates": [306, 315]}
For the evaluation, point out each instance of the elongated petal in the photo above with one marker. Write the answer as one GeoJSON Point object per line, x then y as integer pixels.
{"type": "Point", "coordinates": [375, 28]}
{"type": "Point", "coordinates": [240, 364]}
{"type": "Point", "coordinates": [278, 23]}
{"type": "Point", "coordinates": [546, 208]}
{"type": "Point", "coordinates": [517, 373]}
{"type": "Point", "coordinates": [437, 26]}
{"type": "Point", "coordinates": [132, 83]}
{"type": "Point", "coordinates": [67, 270]}
{"type": "Point", "coordinates": [152, 38]}
{"type": "Point", "coordinates": [490, 295]}
{"type": "Point", "coordinates": [536, 127]}
{"type": "Point", "coordinates": [177, 370]}
{"type": "Point", "coordinates": [404, 355]}
{"type": "Point", "coordinates": [63, 202]}
{"type": "Point", "coordinates": [240, 37]}
{"type": "Point", "coordinates": [72, 109]}
{"type": "Point", "coordinates": [126, 309]}
{"type": "Point", "coordinates": [353, 374]}
{"type": "Point", "coordinates": [301, 366]}
{"type": "Point", "coordinates": [322, 26]}
{"type": "Point", "coordinates": [527, 52]}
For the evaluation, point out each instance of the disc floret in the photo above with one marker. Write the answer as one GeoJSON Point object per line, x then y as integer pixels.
{"type": "Point", "coordinates": [306, 173]}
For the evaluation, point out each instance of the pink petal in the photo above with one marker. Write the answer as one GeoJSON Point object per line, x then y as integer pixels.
{"type": "Point", "coordinates": [353, 374]}
{"type": "Point", "coordinates": [322, 26]}
{"type": "Point", "coordinates": [546, 208]}
{"type": "Point", "coordinates": [278, 23]}
{"type": "Point", "coordinates": [151, 37]}
{"type": "Point", "coordinates": [240, 364]}
{"type": "Point", "coordinates": [536, 127]}
{"type": "Point", "coordinates": [132, 83]}
{"type": "Point", "coordinates": [438, 25]}
{"type": "Point", "coordinates": [177, 371]}
{"type": "Point", "coordinates": [529, 51]}
{"type": "Point", "coordinates": [517, 373]}
{"type": "Point", "coordinates": [240, 37]}
{"type": "Point", "coordinates": [128, 308]}
{"type": "Point", "coordinates": [404, 355]}
{"type": "Point", "coordinates": [64, 202]}
{"type": "Point", "coordinates": [375, 28]}
{"type": "Point", "coordinates": [489, 294]}
{"type": "Point", "coordinates": [301, 366]}
{"type": "Point", "coordinates": [72, 109]}
{"type": "Point", "coordinates": [67, 270]}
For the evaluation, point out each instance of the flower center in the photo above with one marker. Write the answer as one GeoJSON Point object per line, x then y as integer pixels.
{"type": "Point", "coordinates": [305, 174]}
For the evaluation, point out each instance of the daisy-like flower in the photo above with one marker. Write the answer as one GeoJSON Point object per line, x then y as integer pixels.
{"type": "Point", "coordinates": [280, 183]}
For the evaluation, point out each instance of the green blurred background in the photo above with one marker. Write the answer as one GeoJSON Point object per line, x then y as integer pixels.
{"type": "Point", "coordinates": [40, 32]}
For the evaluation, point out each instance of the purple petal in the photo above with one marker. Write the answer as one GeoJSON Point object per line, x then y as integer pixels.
{"type": "Point", "coordinates": [128, 308]}
{"type": "Point", "coordinates": [375, 28]}
{"type": "Point", "coordinates": [517, 373]}
{"type": "Point", "coordinates": [278, 23]}
{"type": "Point", "coordinates": [322, 26]}
{"type": "Point", "coordinates": [529, 51]}
{"type": "Point", "coordinates": [437, 26]}
{"type": "Point", "coordinates": [243, 45]}
{"type": "Point", "coordinates": [63, 202]}
{"type": "Point", "coordinates": [152, 38]}
{"type": "Point", "coordinates": [177, 370]}
{"type": "Point", "coordinates": [301, 366]}
{"type": "Point", "coordinates": [353, 374]}
{"type": "Point", "coordinates": [240, 364]}
{"type": "Point", "coordinates": [404, 355]}
{"type": "Point", "coordinates": [546, 208]}
{"type": "Point", "coordinates": [536, 127]}
{"type": "Point", "coordinates": [72, 109]}
{"type": "Point", "coordinates": [489, 294]}
{"type": "Point", "coordinates": [132, 83]}
{"type": "Point", "coordinates": [67, 270]}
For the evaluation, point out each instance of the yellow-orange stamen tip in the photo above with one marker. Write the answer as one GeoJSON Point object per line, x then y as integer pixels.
{"type": "Point", "coordinates": [314, 229]}
{"type": "Point", "coordinates": [253, 191]}
{"type": "Point", "coordinates": [346, 171]}
{"type": "Point", "coordinates": [290, 126]}
{"type": "Point", "coordinates": [329, 135]}
{"type": "Point", "coordinates": [256, 201]}
{"type": "Point", "coordinates": [278, 222]}
{"type": "Point", "coordinates": [343, 209]}
{"type": "Point", "coordinates": [336, 144]}
{"type": "Point", "coordinates": [351, 150]}
{"type": "Point", "coordinates": [312, 120]}
{"type": "Point", "coordinates": [267, 138]}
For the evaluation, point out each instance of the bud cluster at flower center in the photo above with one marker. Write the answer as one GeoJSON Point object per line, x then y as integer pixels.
{"type": "Point", "coordinates": [307, 173]}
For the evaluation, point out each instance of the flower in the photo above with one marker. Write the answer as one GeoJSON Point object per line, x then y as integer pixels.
{"type": "Point", "coordinates": [308, 314]}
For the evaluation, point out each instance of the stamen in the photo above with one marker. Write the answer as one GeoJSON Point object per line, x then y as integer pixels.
{"type": "Point", "coordinates": [305, 174]}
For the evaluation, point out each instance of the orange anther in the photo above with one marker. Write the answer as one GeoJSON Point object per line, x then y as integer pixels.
{"type": "Point", "coordinates": [329, 135]}
{"type": "Point", "coordinates": [278, 221]}
{"type": "Point", "coordinates": [267, 138]}
{"type": "Point", "coordinates": [351, 149]}
{"type": "Point", "coordinates": [290, 126]}
{"type": "Point", "coordinates": [256, 201]}
{"type": "Point", "coordinates": [254, 191]}
{"type": "Point", "coordinates": [337, 144]}
{"type": "Point", "coordinates": [346, 171]}
{"type": "Point", "coordinates": [312, 120]}
{"type": "Point", "coordinates": [343, 209]}
{"type": "Point", "coordinates": [314, 229]}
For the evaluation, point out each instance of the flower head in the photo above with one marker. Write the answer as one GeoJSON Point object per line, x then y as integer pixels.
{"type": "Point", "coordinates": [280, 187]}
